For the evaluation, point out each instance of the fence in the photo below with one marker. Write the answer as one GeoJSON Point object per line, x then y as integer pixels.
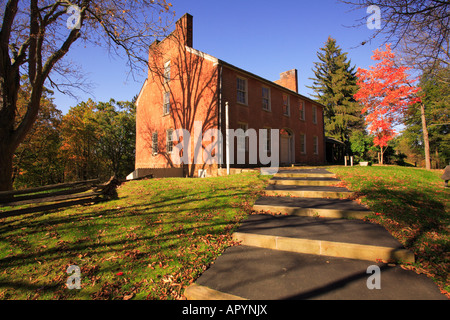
{"type": "Point", "coordinates": [13, 203]}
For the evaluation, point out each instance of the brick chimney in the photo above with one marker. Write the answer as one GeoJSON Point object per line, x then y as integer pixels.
{"type": "Point", "coordinates": [184, 27]}
{"type": "Point", "coordinates": [289, 79]}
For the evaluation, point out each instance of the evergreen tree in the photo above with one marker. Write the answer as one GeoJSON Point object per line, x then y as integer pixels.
{"type": "Point", "coordinates": [334, 86]}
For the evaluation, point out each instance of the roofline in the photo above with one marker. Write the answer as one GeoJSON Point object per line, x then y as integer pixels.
{"type": "Point", "coordinates": [140, 92]}
{"type": "Point", "coordinates": [229, 65]}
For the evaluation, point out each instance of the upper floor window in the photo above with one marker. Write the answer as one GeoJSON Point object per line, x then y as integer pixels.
{"type": "Point", "coordinates": [286, 105]}
{"type": "Point", "coordinates": [166, 105]}
{"type": "Point", "coordinates": [301, 109]}
{"type": "Point", "coordinates": [167, 71]}
{"type": "Point", "coordinates": [242, 90]}
{"type": "Point", "coordinates": [266, 98]}
{"type": "Point", "coordinates": [314, 114]}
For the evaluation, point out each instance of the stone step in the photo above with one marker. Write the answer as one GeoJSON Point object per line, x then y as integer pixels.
{"type": "Point", "coordinates": [304, 181]}
{"type": "Point", "coordinates": [263, 274]}
{"type": "Point", "coordinates": [304, 173]}
{"type": "Point", "coordinates": [312, 207]}
{"type": "Point", "coordinates": [308, 191]}
{"type": "Point", "coordinates": [354, 239]}
{"type": "Point", "coordinates": [287, 174]}
{"type": "Point", "coordinates": [325, 248]}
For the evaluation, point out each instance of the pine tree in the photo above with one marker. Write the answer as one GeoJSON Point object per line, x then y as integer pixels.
{"type": "Point", "coordinates": [334, 86]}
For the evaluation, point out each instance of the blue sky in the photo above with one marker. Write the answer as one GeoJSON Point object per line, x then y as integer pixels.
{"type": "Point", "coordinates": [262, 37]}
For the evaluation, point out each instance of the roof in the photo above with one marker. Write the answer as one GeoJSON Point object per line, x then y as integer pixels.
{"type": "Point", "coordinates": [252, 75]}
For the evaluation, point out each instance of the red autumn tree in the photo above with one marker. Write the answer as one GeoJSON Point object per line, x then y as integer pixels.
{"type": "Point", "coordinates": [385, 92]}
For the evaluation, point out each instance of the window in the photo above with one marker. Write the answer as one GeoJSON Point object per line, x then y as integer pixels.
{"type": "Point", "coordinates": [242, 90]}
{"type": "Point", "coordinates": [169, 141]}
{"type": "Point", "coordinates": [316, 144]}
{"type": "Point", "coordinates": [286, 101]}
{"type": "Point", "coordinates": [166, 107]}
{"type": "Point", "coordinates": [314, 114]}
{"type": "Point", "coordinates": [242, 141]}
{"type": "Point", "coordinates": [302, 110]}
{"type": "Point", "coordinates": [302, 143]}
{"type": "Point", "coordinates": [167, 71]}
{"type": "Point", "coordinates": [155, 143]}
{"type": "Point", "coordinates": [266, 98]}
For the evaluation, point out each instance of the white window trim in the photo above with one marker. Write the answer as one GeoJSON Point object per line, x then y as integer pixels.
{"type": "Point", "coordinates": [155, 143]}
{"type": "Point", "coordinates": [245, 90]}
{"type": "Point", "coordinates": [288, 114]}
{"type": "Point", "coordinates": [304, 143]}
{"type": "Point", "coordinates": [269, 98]}
{"type": "Point", "coordinates": [316, 145]}
{"type": "Point", "coordinates": [303, 113]}
{"type": "Point", "coordinates": [167, 71]}
{"type": "Point", "coordinates": [166, 110]}
{"type": "Point", "coordinates": [169, 133]}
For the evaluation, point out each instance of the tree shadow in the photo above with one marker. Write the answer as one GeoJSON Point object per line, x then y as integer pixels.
{"type": "Point", "coordinates": [192, 82]}
{"type": "Point", "coordinates": [418, 209]}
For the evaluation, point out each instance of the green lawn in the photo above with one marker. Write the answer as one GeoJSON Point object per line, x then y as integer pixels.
{"type": "Point", "coordinates": [413, 205]}
{"type": "Point", "coordinates": [160, 234]}
{"type": "Point", "coordinates": [151, 242]}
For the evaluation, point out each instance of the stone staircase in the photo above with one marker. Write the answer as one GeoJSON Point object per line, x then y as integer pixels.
{"type": "Point", "coordinates": [316, 225]}
{"type": "Point", "coordinates": [308, 241]}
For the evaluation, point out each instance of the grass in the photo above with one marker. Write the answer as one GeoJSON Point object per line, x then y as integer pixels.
{"type": "Point", "coordinates": [150, 243]}
{"type": "Point", "coordinates": [161, 234]}
{"type": "Point", "coordinates": [413, 205]}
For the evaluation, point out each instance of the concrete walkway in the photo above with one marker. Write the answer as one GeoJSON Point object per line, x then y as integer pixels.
{"type": "Point", "coordinates": [302, 245]}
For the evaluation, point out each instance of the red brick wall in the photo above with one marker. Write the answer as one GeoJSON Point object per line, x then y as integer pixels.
{"type": "Point", "coordinates": [194, 96]}
{"type": "Point", "coordinates": [257, 118]}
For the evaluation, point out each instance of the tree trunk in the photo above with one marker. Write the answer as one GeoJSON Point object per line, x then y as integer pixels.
{"type": "Point", "coordinates": [426, 141]}
{"type": "Point", "coordinates": [6, 168]}
{"type": "Point", "coordinates": [381, 155]}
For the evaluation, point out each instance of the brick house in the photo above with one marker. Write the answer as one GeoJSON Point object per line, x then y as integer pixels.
{"type": "Point", "coordinates": [191, 90]}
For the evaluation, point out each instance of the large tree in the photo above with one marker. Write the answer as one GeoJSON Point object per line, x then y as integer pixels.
{"type": "Point", "coordinates": [386, 93]}
{"type": "Point", "coordinates": [334, 86]}
{"type": "Point", "coordinates": [435, 110]}
{"type": "Point", "coordinates": [99, 139]}
{"type": "Point", "coordinates": [419, 29]}
{"type": "Point", "coordinates": [36, 160]}
{"type": "Point", "coordinates": [36, 35]}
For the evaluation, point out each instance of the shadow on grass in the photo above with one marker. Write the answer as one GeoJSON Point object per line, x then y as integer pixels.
{"type": "Point", "coordinates": [187, 219]}
{"type": "Point", "coordinates": [421, 210]}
